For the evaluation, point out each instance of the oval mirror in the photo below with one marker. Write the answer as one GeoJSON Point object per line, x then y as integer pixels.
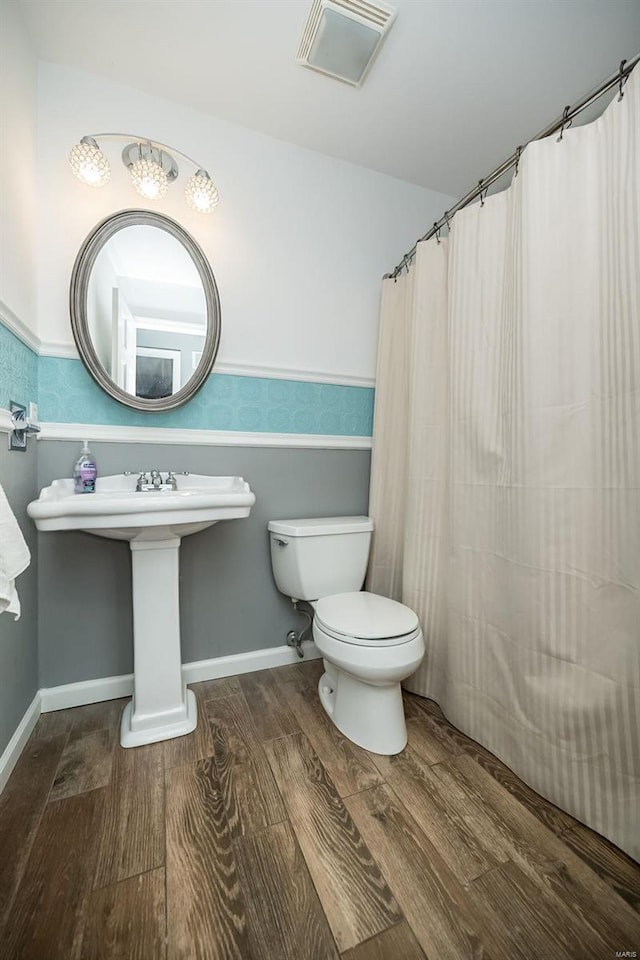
{"type": "Point", "coordinates": [145, 311]}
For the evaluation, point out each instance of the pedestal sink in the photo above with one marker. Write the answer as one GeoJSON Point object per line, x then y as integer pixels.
{"type": "Point", "coordinates": [153, 522]}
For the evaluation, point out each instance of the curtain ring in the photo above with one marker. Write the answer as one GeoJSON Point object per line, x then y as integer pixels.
{"type": "Point", "coordinates": [622, 82]}
{"type": "Point", "coordinates": [483, 192]}
{"type": "Point", "coordinates": [447, 219]}
{"type": "Point", "coordinates": [437, 231]}
{"type": "Point", "coordinates": [566, 122]}
{"type": "Point", "coordinates": [518, 155]}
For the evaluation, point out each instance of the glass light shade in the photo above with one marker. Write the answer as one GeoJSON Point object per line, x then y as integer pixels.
{"type": "Point", "coordinates": [89, 163]}
{"type": "Point", "coordinates": [200, 193]}
{"type": "Point", "coordinates": [149, 179]}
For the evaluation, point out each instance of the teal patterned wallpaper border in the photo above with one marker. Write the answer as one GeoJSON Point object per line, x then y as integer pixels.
{"type": "Point", "coordinates": [66, 394]}
{"type": "Point", "coordinates": [18, 369]}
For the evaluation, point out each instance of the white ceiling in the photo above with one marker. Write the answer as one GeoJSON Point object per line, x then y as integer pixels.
{"type": "Point", "coordinates": [146, 253]}
{"type": "Point", "coordinates": [457, 85]}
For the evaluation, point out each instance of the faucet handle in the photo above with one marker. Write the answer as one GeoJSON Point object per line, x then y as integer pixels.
{"type": "Point", "coordinates": [171, 480]}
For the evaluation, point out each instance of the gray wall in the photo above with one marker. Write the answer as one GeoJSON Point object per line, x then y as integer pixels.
{"type": "Point", "coordinates": [18, 638]}
{"type": "Point", "coordinates": [229, 602]}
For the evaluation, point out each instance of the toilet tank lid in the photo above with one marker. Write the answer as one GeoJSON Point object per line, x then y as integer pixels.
{"type": "Point", "coordinates": [320, 526]}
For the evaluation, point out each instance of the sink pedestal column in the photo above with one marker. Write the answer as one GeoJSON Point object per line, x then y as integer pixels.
{"type": "Point", "coordinates": [162, 707]}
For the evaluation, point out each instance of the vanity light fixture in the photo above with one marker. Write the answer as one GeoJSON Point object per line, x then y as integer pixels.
{"type": "Point", "coordinates": [89, 163]}
{"type": "Point", "coordinates": [151, 169]}
{"type": "Point", "coordinates": [149, 179]}
{"type": "Point", "coordinates": [151, 165]}
{"type": "Point", "coordinates": [200, 193]}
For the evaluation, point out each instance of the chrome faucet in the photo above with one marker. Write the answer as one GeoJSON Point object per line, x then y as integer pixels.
{"type": "Point", "coordinates": [146, 484]}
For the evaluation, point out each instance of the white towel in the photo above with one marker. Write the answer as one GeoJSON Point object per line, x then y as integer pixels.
{"type": "Point", "coordinates": [14, 557]}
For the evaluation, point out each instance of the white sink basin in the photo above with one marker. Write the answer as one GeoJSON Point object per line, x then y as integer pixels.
{"type": "Point", "coordinates": [117, 511]}
{"type": "Point", "coordinates": [153, 523]}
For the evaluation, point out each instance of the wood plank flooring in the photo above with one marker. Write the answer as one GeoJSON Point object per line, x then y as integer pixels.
{"type": "Point", "coordinates": [354, 894]}
{"type": "Point", "coordinates": [127, 919]}
{"type": "Point", "coordinates": [267, 835]}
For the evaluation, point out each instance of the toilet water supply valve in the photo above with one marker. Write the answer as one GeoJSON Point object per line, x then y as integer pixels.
{"type": "Point", "coordinates": [296, 637]}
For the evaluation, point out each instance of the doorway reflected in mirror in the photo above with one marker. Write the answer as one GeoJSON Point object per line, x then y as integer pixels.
{"type": "Point", "coordinates": [145, 295]}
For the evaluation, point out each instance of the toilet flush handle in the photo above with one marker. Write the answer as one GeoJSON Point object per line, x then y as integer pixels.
{"type": "Point", "coordinates": [281, 542]}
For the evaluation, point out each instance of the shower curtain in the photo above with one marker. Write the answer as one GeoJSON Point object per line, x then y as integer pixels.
{"type": "Point", "coordinates": [505, 482]}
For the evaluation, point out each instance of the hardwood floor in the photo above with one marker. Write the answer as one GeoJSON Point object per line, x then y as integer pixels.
{"type": "Point", "coordinates": [267, 835]}
{"type": "Point", "coordinates": [133, 834]}
{"type": "Point", "coordinates": [206, 914]}
{"type": "Point", "coordinates": [354, 894]}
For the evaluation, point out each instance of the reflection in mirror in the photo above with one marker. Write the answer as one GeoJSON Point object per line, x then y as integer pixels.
{"type": "Point", "coordinates": [146, 312]}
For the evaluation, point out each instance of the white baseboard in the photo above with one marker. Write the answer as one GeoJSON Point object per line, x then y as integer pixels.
{"type": "Point", "coordinates": [86, 691]}
{"type": "Point", "coordinates": [17, 743]}
{"type": "Point", "coordinates": [246, 662]}
{"type": "Point", "coordinates": [110, 688]}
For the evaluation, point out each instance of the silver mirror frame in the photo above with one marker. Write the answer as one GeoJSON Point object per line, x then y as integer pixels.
{"type": "Point", "coordinates": [78, 307]}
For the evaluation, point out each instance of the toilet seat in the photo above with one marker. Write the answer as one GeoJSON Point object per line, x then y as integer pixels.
{"type": "Point", "coordinates": [366, 619]}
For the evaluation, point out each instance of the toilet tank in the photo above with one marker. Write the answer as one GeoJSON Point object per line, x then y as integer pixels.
{"type": "Point", "coordinates": [320, 556]}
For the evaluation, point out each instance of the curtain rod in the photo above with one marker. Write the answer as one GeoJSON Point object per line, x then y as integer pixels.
{"type": "Point", "coordinates": [569, 112]}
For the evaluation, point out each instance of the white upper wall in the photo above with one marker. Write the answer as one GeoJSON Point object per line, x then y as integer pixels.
{"type": "Point", "coordinates": [17, 167]}
{"type": "Point", "coordinates": [298, 244]}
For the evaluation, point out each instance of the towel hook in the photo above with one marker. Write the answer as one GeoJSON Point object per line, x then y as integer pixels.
{"type": "Point", "coordinates": [21, 427]}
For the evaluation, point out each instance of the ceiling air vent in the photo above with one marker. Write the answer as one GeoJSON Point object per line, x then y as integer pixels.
{"type": "Point", "coordinates": [341, 37]}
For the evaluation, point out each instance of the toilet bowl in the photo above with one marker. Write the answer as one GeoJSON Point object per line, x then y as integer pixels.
{"type": "Point", "coordinates": [369, 643]}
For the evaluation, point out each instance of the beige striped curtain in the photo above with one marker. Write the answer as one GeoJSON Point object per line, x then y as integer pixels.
{"type": "Point", "coordinates": [505, 480]}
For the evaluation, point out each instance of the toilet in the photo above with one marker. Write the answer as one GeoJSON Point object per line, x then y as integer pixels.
{"type": "Point", "coordinates": [369, 643]}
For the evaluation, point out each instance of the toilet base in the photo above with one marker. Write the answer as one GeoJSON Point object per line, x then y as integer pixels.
{"type": "Point", "coordinates": [370, 715]}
